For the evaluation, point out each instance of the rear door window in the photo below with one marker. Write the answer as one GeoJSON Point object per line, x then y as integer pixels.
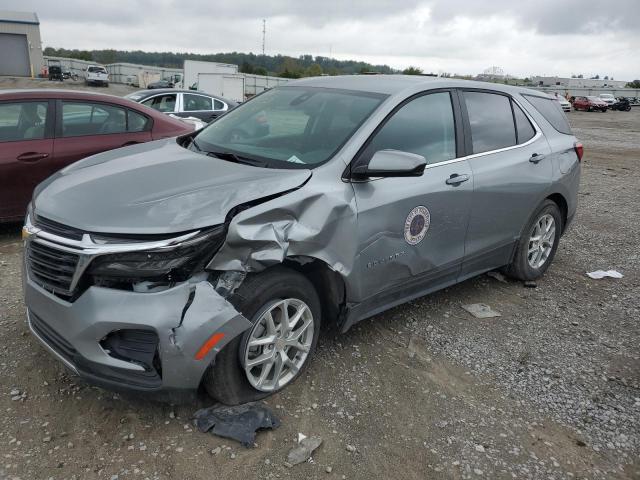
{"type": "Point", "coordinates": [22, 121]}
{"type": "Point", "coordinates": [491, 121]}
{"type": "Point", "coordinates": [196, 103]}
{"type": "Point", "coordinates": [218, 105]}
{"type": "Point", "coordinates": [552, 112]}
{"type": "Point", "coordinates": [162, 103]}
{"type": "Point", "coordinates": [136, 122]}
{"type": "Point", "coordinates": [85, 118]}
{"type": "Point", "coordinates": [524, 129]}
{"type": "Point", "coordinates": [424, 126]}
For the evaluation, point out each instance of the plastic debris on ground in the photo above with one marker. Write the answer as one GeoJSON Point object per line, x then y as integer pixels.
{"type": "Point", "coordinates": [238, 423]}
{"type": "Point", "coordinates": [480, 310]}
{"type": "Point", "coordinates": [598, 274]}
{"type": "Point", "coordinates": [302, 452]}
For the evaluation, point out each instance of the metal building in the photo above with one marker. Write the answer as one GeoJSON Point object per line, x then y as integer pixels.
{"type": "Point", "coordinates": [20, 44]}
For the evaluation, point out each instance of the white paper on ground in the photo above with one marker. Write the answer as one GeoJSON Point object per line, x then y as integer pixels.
{"type": "Point", "coordinates": [480, 310]}
{"type": "Point", "coordinates": [598, 274]}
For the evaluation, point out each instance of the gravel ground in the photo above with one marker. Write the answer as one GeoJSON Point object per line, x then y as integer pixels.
{"type": "Point", "coordinates": [21, 82]}
{"type": "Point", "coordinates": [551, 389]}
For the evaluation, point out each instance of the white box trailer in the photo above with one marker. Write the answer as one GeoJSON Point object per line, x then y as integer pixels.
{"type": "Point", "coordinates": [255, 84]}
{"type": "Point", "coordinates": [192, 68]}
{"type": "Point", "coordinates": [146, 77]}
{"type": "Point", "coordinates": [226, 85]}
{"type": "Point", "coordinates": [128, 73]}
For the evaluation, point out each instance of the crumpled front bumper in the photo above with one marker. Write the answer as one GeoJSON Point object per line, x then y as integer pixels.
{"type": "Point", "coordinates": [183, 317]}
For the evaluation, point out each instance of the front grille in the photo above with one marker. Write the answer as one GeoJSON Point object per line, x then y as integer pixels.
{"type": "Point", "coordinates": [52, 338]}
{"type": "Point", "coordinates": [51, 268]}
{"type": "Point", "coordinates": [58, 228]}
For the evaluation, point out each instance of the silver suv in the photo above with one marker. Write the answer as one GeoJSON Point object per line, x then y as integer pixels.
{"type": "Point", "coordinates": [211, 260]}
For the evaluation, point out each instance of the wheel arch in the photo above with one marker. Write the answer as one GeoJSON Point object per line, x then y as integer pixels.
{"type": "Point", "coordinates": [330, 286]}
{"type": "Point", "coordinates": [562, 204]}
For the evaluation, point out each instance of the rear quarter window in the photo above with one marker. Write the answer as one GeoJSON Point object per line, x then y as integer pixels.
{"type": "Point", "coordinates": [551, 111]}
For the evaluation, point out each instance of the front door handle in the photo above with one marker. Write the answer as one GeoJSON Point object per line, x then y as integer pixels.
{"type": "Point", "coordinates": [31, 156]}
{"type": "Point", "coordinates": [456, 179]}
{"type": "Point", "coordinates": [535, 158]}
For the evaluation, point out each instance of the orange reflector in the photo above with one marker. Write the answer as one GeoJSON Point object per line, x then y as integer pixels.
{"type": "Point", "coordinates": [25, 233]}
{"type": "Point", "coordinates": [208, 345]}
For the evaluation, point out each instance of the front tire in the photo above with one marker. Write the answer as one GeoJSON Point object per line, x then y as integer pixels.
{"type": "Point", "coordinates": [285, 311]}
{"type": "Point", "coordinates": [538, 243]}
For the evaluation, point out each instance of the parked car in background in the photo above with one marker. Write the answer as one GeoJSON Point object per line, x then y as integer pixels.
{"type": "Point", "coordinates": [161, 84]}
{"type": "Point", "coordinates": [55, 70]}
{"type": "Point", "coordinates": [589, 104]}
{"type": "Point", "coordinates": [184, 103]}
{"type": "Point", "coordinates": [607, 98]}
{"type": "Point", "coordinates": [215, 259]}
{"type": "Point", "coordinates": [622, 104]}
{"type": "Point", "coordinates": [564, 103]}
{"type": "Point", "coordinates": [42, 131]}
{"type": "Point", "coordinates": [96, 75]}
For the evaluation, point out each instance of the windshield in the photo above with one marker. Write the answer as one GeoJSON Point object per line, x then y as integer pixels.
{"type": "Point", "coordinates": [606, 95]}
{"type": "Point", "coordinates": [595, 99]}
{"type": "Point", "coordinates": [97, 70]}
{"type": "Point", "coordinates": [290, 127]}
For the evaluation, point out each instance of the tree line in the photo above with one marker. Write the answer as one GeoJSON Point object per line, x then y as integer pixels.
{"type": "Point", "coordinates": [277, 65]}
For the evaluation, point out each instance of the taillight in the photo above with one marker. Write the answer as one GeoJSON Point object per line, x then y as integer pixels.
{"type": "Point", "coordinates": [579, 150]}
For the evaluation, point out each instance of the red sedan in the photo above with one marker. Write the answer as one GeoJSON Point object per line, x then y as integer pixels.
{"type": "Point", "coordinates": [590, 104]}
{"type": "Point", "coordinates": [42, 131]}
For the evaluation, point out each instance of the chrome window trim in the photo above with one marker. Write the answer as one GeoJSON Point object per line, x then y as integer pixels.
{"type": "Point", "coordinates": [536, 137]}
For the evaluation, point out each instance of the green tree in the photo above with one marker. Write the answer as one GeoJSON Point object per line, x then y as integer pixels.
{"type": "Point", "coordinates": [412, 71]}
{"type": "Point", "coordinates": [314, 70]}
{"type": "Point", "coordinates": [634, 84]}
{"type": "Point", "coordinates": [246, 67]}
{"type": "Point", "coordinates": [105, 56]}
{"type": "Point", "coordinates": [260, 71]}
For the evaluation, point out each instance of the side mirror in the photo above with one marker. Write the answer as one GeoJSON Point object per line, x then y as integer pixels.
{"type": "Point", "coordinates": [391, 163]}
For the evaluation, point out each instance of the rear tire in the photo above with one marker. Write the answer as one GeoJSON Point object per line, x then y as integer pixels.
{"type": "Point", "coordinates": [227, 380]}
{"type": "Point", "coordinates": [533, 257]}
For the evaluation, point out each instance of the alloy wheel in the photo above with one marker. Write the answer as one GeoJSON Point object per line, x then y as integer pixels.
{"type": "Point", "coordinates": [541, 241]}
{"type": "Point", "coordinates": [278, 344]}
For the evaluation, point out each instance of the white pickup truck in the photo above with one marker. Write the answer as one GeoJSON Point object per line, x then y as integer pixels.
{"type": "Point", "coordinates": [96, 74]}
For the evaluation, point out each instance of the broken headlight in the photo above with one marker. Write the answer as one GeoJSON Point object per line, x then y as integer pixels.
{"type": "Point", "coordinates": [166, 265]}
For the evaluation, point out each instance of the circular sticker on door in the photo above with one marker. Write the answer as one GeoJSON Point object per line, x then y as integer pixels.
{"type": "Point", "coordinates": [416, 225]}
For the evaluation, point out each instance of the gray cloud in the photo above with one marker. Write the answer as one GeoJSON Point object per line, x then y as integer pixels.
{"type": "Point", "coordinates": [549, 16]}
{"type": "Point", "coordinates": [463, 36]}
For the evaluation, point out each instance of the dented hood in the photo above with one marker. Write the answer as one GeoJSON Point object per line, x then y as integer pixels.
{"type": "Point", "coordinates": [156, 187]}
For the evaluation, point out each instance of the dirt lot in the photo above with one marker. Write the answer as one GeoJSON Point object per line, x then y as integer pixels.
{"type": "Point", "coordinates": [551, 389]}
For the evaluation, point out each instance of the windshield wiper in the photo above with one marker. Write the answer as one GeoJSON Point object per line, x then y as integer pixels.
{"type": "Point", "coordinates": [233, 157]}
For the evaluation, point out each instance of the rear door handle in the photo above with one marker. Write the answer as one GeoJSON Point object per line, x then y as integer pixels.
{"type": "Point", "coordinates": [535, 158]}
{"type": "Point", "coordinates": [456, 179]}
{"type": "Point", "coordinates": [31, 156]}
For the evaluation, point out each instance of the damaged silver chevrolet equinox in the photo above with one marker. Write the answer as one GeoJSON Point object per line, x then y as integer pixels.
{"type": "Point", "coordinates": [211, 260]}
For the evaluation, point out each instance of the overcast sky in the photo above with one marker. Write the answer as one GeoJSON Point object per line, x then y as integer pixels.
{"type": "Point", "coordinates": [544, 37]}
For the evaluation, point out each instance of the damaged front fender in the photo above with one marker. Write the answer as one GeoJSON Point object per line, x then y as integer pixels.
{"type": "Point", "coordinates": [318, 221]}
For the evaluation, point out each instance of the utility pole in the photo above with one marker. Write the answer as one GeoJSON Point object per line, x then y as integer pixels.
{"type": "Point", "coordinates": [264, 31]}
